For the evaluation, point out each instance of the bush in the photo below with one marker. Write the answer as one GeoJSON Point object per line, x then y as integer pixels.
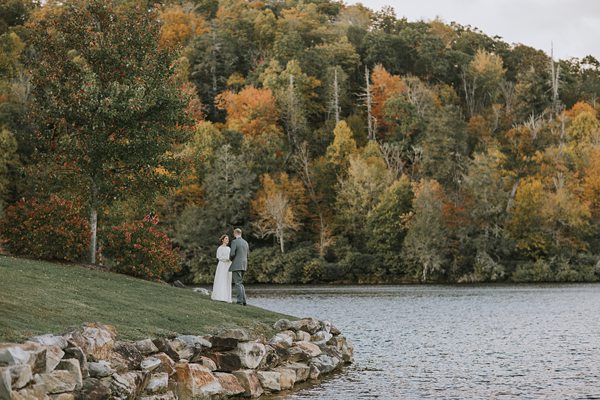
{"type": "Point", "coordinates": [140, 249]}
{"type": "Point", "coordinates": [51, 229]}
{"type": "Point", "coordinates": [268, 265]}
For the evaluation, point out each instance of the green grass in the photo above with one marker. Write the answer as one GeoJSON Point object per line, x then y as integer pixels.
{"type": "Point", "coordinates": [40, 297]}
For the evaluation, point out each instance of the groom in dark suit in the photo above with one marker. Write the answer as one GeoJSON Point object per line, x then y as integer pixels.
{"type": "Point", "coordinates": [239, 263]}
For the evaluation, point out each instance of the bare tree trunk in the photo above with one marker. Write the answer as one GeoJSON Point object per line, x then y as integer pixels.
{"type": "Point", "coordinates": [554, 81]}
{"type": "Point", "coordinates": [336, 97]}
{"type": "Point", "coordinates": [93, 223]}
{"type": "Point", "coordinates": [370, 128]}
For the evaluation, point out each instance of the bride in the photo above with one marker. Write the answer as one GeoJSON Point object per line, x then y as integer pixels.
{"type": "Point", "coordinates": [222, 284]}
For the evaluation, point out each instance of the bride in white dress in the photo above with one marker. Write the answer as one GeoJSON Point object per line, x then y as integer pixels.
{"type": "Point", "coordinates": [222, 284]}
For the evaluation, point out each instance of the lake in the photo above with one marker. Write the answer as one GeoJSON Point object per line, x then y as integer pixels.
{"type": "Point", "coordinates": [415, 342]}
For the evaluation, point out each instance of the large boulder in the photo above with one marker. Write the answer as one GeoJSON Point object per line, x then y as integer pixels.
{"type": "Point", "coordinates": [20, 375]}
{"type": "Point", "coordinates": [284, 339]}
{"type": "Point", "coordinates": [93, 389]}
{"type": "Point", "coordinates": [204, 361]}
{"type": "Point", "coordinates": [50, 340]}
{"type": "Point", "coordinates": [5, 383]}
{"type": "Point", "coordinates": [58, 381]}
{"type": "Point", "coordinates": [166, 363]}
{"type": "Point", "coordinates": [100, 369]}
{"type": "Point", "coordinates": [78, 354]}
{"type": "Point", "coordinates": [13, 354]}
{"type": "Point", "coordinates": [230, 384]}
{"type": "Point", "coordinates": [297, 354]}
{"type": "Point", "coordinates": [127, 355]}
{"type": "Point", "coordinates": [310, 349]}
{"type": "Point", "coordinates": [250, 353]}
{"type": "Point", "coordinates": [149, 364]}
{"type": "Point", "coordinates": [302, 371]}
{"type": "Point", "coordinates": [250, 382]}
{"type": "Point", "coordinates": [72, 366]}
{"type": "Point", "coordinates": [30, 353]}
{"type": "Point", "coordinates": [53, 356]}
{"type": "Point", "coordinates": [96, 340]}
{"type": "Point", "coordinates": [270, 360]}
{"type": "Point", "coordinates": [270, 380]}
{"type": "Point", "coordinates": [343, 346]}
{"type": "Point", "coordinates": [310, 325]}
{"type": "Point", "coordinates": [287, 377]}
{"type": "Point", "coordinates": [146, 347]}
{"type": "Point", "coordinates": [188, 345]}
{"type": "Point", "coordinates": [325, 363]}
{"type": "Point", "coordinates": [164, 346]}
{"type": "Point", "coordinates": [126, 386]}
{"type": "Point", "coordinates": [226, 362]}
{"type": "Point", "coordinates": [302, 336]}
{"type": "Point", "coordinates": [195, 381]}
{"type": "Point", "coordinates": [158, 383]}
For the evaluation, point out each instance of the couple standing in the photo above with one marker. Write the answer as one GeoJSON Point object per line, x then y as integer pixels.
{"type": "Point", "coordinates": [233, 262]}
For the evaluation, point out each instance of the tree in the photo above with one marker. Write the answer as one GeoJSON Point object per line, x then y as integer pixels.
{"type": "Point", "coordinates": [180, 26]}
{"type": "Point", "coordinates": [252, 111]}
{"type": "Point", "coordinates": [103, 98]}
{"type": "Point", "coordinates": [425, 251]}
{"type": "Point", "coordinates": [8, 154]}
{"type": "Point", "coordinates": [279, 206]}
{"type": "Point", "coordinates": [383, 86]}
{"type": "Point", "coordinates": [343, 146]}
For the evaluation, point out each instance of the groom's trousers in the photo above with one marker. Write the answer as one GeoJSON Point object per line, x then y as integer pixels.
{"type": "Point", "coordinates": [238, 278]}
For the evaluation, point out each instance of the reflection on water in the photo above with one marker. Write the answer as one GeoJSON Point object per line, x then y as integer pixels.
{"type": "Point", "coordinates": [455, 342]}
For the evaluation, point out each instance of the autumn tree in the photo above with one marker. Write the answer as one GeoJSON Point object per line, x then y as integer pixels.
{"type": "Point", "coordinates": [279, 206]}
{"type": "Point", "coordinates": [383, 87]}
{"type": "Point", "coordinates": [103, 98]}
{"type": "Point", "coordinates": [179, 26]}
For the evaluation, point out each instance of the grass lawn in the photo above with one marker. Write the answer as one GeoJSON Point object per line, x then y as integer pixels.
{"type": "Point", "coordinates": [40, 297]}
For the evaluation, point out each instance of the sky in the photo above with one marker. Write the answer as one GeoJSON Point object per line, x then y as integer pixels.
{"type": "Point", "coordinates": [572, 26]}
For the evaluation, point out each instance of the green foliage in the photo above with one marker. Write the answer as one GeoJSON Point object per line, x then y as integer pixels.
{"type": "Point", "coordinates": [48, 229]}
{"type": "Point", "coordinates": [140, 249]}
{"type": "Point", "coordinates": [554, 270]}
{"type": "Point", "coordinates": [8, 154]}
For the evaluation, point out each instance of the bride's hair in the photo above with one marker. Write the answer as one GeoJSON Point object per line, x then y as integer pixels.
{"type": "Point", "coordinates": [222, 238]}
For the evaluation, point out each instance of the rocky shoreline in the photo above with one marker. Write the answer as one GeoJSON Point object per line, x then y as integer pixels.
{"type": "Point", "coordinates": [90, 363]}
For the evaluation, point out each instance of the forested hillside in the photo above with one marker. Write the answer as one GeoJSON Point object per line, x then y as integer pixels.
{"type": "Point", "coordinates": [350, 145]}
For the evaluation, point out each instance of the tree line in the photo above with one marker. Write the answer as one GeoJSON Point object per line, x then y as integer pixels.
{"type": "Point", "coordinates": [350, 145]}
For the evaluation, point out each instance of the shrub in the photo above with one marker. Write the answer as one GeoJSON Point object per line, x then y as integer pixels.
{"type": "Point", "coordinates": [51, 229]}
{"type": "Point", "coordinates": [140, 249]}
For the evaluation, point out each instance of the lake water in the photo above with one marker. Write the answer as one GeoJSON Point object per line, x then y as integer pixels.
{"type": "Point", "coordinates": [455, 342]}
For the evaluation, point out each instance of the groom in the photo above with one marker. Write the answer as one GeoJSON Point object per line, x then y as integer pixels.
{"type": "Point", "coordinates": [239, 263]}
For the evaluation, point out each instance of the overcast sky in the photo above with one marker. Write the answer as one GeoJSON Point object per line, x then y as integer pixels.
{"type": "Point", "coordinates": [572, 25]}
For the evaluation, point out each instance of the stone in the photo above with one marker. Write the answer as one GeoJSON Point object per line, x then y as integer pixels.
{"type": "Point", "coordinates": [241, 335]}
{"type": "Point", "coordinates": [270, 360]}
{"type": "Point", "coordinates": [166, 364]}
{"type": "Point", "coordinates": [230, 384]}
{"type": "Point", "coordinates": [146, 347]}
{"type": "Point", "coordinates": [321, 337]}
{"type": "Point", "coordinates": [270, 380]}
{"type": "Point", "coordinates": [287, 377]}
{"type": "Point", "coordinates": [223, 344]}
{"type": "Point", "coordinates": [72, 365]}
{"type": "Point", "coordinates": [194, 341]}
{"type": "Point", "coordinates": [334, 331]}
{"type": "Point", "coordinates": [149, 364]}
{"type": "Point", "coordinates": [20, 375]}
{"type": "Point", "coordinates": [187, 345]}
{"type": "Point", "coordinates": [164, 346]}
{"type": "Point", "coordinates": [125, 386]}
{"type": "Point", "coordinates": [195, 381]}
{"type": "Point", "coordinates": [311, 349]}
{"type": "Point", "coordinates": [314, 373]}
{"type": "Point", "coordinates": [63, 396]}
{"type": "Point", "coordinates": [226, 362]}
{"type": "Point", "coordinates": [202, 291]}
{"type": "Point", "coordinates": [302, 336]}
{"type": "Point", "coordinates": [250, 353]}
{"type": "Point", "coordinates": [163, 396]}
{"type": "Point", "coordinates": [302, 371]}
{"type": "Point", "coordinates": [282, 353]}
{"type": "Point", "coordinates": [205, 362]}
{"type": "Point", "coordinates": [58, 381]}
{"type": "Point", "coordinates": [93, 389]}
{"type": "Point", "coordinates": [325, 363]}
{"type": "Point", "coordinates": [326, 326]}
{"type": "Point", "coordinates": [296, 354]}
{"type": "Point", "coordinates": [50, 340]}
{"type": "Point", "coordinates": [344, 346]}
{"type": "Point", "coordinates": [250, 382]}
{"type": "Point", "coordinates": [13, 354]}
{"type": "Point", "coordinates": [310, 325]}
{"type": "Point", "coordinates": [96, 340]}
{"type": "Point", "coordinates": [36, 392]}
{"type": "Point", "coordinates": [158, 383]}
{"type": "Point", "coordinates": [100, 369]}
{"type": "Point", "coordinates": [78, 354]}
{"type": "Point", "coordinates": [53, 356]}
{"type": "Point", "coordinates": [282, 339]}
{"type": "Point", "coordinates": [5, 383]}
{"type": "Point", "coordinates": [282, 325]}
{"type": "Point", "coordinates": [130, 355]}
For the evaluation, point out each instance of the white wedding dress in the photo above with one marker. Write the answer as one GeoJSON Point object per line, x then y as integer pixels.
{"type": "Point", "coordinates": [222, 284]}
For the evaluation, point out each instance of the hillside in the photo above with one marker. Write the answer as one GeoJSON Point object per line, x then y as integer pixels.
{"type": "Point", "coordinates": [41, 297]}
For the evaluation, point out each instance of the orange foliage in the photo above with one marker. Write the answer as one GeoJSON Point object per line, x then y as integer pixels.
{"type": "Point", "coordinates": [591, 183]}
{"type": "Point", "coordinates": [179, 26]}
{"type": "Point", "coordinates": [383, 86]}
{"type": "Point", "coordinates": [252, 111]}
{"type": "Point", "coordinates": [579, 108]}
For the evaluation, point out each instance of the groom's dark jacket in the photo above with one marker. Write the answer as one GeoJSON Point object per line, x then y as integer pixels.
{"type": "Point", "coordinates": [239, 255]}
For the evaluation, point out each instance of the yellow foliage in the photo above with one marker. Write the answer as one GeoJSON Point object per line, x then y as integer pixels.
{"type": "Point", "coordinates": [179, 26]}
